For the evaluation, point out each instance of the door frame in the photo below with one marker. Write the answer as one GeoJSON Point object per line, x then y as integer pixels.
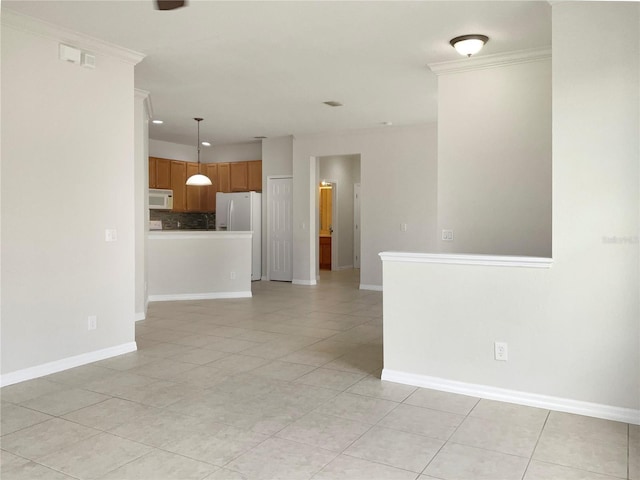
{"type": "Point", "coordinates": [269, 213]}
{"type": "Point", "coordinates": [357, 224]}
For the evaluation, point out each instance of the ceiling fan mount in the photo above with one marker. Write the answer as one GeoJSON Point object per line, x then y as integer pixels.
{"type": "Point", "coordinates": [170, 4]}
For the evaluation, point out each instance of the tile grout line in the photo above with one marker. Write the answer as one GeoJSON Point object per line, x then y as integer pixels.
{"type": "Point", "coordinates": [546, 419]}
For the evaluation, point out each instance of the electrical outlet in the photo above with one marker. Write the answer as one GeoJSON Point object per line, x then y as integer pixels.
{"type": "Point", "coordinates": [110, 235]}
{"type": "Point", "coordinates": [501, 351]}
{"type": "Point", "coordinates": [92, 322]}
{"type": "Point", "coordinates": [447, 235]}
{"type": "Point", "coordinates": [232, 275]}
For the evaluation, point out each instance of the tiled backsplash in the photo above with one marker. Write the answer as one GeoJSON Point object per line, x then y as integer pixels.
{"type": "Point", "coordinates": [184, 221]}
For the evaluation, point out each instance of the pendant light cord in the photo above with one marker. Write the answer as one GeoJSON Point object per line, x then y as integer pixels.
{"type": "Point", "coordinates": [198, 120]}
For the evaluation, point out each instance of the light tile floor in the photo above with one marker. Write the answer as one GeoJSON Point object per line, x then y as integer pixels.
{"type": "Point", "coordinates": [284, 385]}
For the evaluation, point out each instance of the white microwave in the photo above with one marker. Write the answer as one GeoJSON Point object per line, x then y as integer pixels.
{"type": "Point", "coordinates": [160, 199]}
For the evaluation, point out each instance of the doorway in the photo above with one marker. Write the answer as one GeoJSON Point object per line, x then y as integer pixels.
{"type": "Point", "coordinates": [342, 174]}
{"type": "Point", "coordinates": [325, 241]}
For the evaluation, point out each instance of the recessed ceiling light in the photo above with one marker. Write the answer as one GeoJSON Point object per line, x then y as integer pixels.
{"type": "Point", "coordinates": [157, 122]}
{"type": "Point", "coordinates": [333, 103]}
{"type": "Point", "coordinates": [206, 144]}
{"type": "Point", "coordinates": [387, 123]}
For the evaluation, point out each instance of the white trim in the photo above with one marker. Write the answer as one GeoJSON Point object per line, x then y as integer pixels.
{"type": "Point", "coordinates": [375, 288]}
{"type": "Point", "coordinates": [196, 234]}
{"type": "Point", "coordinates": [198, 296]}
{"type": "Point", "coordinates": [463, 259]}
{"type": "Point", "coordinates": [139, 316]}
{"type": "Point", "coordinates": [145, 96]}
{"type": "Point", "coordinates": [491, 61]}
{"type": "Point", "coordinates": [609, 412]}
{"type": "Point", "coordinates": [345, 267]}
{"type": "Point", "coordinates": [84, 42]}
{"type": "Point", "coordinates": [295, 281]}
{"type": "Point", "coordinates": [264, 278]}
{"type": "Point", "coordinates": [65, 364]}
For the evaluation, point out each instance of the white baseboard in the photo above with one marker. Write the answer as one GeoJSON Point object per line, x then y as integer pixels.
{"type": "Point", "coordinates": [376, 288]}
{"type": "Point", "coordinates": [264, 278]}
{"type": "Point", "coordinates": [198, 296]}
{"type": "Point", "coordinates": [303, 282]}
{"type": "Point", "coordinates": [608, 412]}
{"type": "Point", "coordinates": [65, 364]}
{"type": "Point", "coordinates": [140, 316]}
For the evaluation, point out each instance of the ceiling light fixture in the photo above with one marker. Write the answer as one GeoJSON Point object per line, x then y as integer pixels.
{"type": "Point", "coordinates": [206, 144]}
{"type": "Point", "coordinates": [198, 179]}
{"type": "Point", "coordinates": [157, 122]}
{"type": "Point", "coordinates": [468, 45]}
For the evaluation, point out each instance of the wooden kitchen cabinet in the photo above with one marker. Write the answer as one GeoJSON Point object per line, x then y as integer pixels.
{"type": "Point", "coordinates": [153, 169]}
{"type": "Point", "coordinates": [209, 193]}
{"type": "Point", "coordinates": [224, 177]}
{"type": "Point", "coordinates": [159, 172]}
{"type": "Point", "coordinates": [254, 173]}
{"type": "Point", "coordinates": [178, 185]}
{"type": "Point", "coordinates": [239, 176]}
{"type": "Point", "coordinates": [194, 192]}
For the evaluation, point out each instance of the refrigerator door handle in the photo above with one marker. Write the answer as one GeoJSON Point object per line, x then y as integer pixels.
{"type": "Point", "coordinates": [230, 215]}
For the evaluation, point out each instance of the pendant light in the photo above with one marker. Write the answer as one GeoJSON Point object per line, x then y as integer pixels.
{"type": "Point", "coordinates": [198, 179]}
{"type": "Point", "coordinates": [468, 45]}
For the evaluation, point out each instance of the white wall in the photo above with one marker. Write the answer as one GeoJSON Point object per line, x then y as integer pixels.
{"type": "Point", "coordinates": [341, 168]}
{"type": "Point", "coordinates": [67, 175]}
{"type": "Point", "coordinates": [494, 159]}
{"type": "Point", "coordinates": [175, 151]}
{"type": "Point", "coordinates": [277, 160]}
{"type": "Point", "coordinates": [191, 265]}
{"type": "Point", "coordinates": [398, 178]}
{"type": "Point", "coordinates": [573, 331]}
{"type": "Point", "coordinates": [236, 152]}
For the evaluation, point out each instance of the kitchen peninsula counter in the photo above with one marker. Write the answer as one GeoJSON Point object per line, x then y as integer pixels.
{"type": "Point", "coordinates": [198, 264]}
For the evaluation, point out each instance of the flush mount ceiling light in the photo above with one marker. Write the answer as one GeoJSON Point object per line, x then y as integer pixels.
{"type": "Point", "coordinates": [198, 179]}
{"type": "Point", "coordinates": [469, 44]}
{"type": "Point", "coordinates": [157, 122]}
{"type": "Point", "coordinates": [206, 144]}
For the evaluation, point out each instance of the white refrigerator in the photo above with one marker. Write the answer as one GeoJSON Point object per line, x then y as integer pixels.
{"type": "Point", "coordinates": [242, 211]}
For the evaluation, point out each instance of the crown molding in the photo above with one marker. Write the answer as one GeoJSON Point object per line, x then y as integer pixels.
{"type": "Point", "coordinates": [41, 28]}
{"type": "Point", "coordinates": [491, 61]}
{"type": "Point", "coordinates": [145, 96]}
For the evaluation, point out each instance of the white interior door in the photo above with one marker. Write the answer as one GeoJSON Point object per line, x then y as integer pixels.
{"type": "Point", "coordinates": [356, 225]}
{"type": "Point", "coordinates": [280, 228]}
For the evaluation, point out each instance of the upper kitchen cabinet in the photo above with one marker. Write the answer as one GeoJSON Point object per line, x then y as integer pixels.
{"type": "Point", "coordinates": [194, 193]}
{"type": "Point", "coordinates": [208, 198]}
{"type": "Point", "coordinates": [159, 172]}
{"type": "Point", "coordinates": [178, 185]}
{"type": "Point", "coordinates": [239, 177]}
{"type": "Point", "coordinates": [224, 178]}
{"type": "Point", "coordinates": [254, 168]}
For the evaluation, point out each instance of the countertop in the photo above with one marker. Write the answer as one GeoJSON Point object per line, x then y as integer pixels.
{"type": "Point", "coordinates": [166, 234]}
